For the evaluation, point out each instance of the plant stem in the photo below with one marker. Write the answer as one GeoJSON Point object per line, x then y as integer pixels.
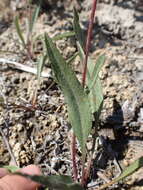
{"type": "Point", "coordinates": [88, 40]}
{"type": "Point", "coordinates": [85, 172]}
{"type": "Point", "coordinates": [73, 152]}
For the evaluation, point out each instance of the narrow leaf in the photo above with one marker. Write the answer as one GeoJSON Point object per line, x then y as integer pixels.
{"type": "Point", "coordinates": [127, 172]}
{"type": "Point", "coordinates": [95, 93]}
{"type": "Point", "coordinates": [99, 63]}
{"type": "Point", "coordinates": [131, 169]}
{"type": "Point", "coordinates": [78, 31]}
{"type": "Point", "coordinates": [63, 35]}
{"type": "Point", "coordinates": [40, 65]}
{"type": "Point", "coordinates": [96, 99]}
{"type": "Point", "coordinates": [19, 31]}
{"type": "Point", "coordinates": [72, 58]}
{"type": "Point", "coordinates": [77, 100]}
{"type": "Point", "coordinates": [60, 182]}
{"type": "Point", "coordinates": [94, 84]}
{"type": "Point", "coordinates": [34, 18]}
{"type": "Point", "coordinates": [56, 37]}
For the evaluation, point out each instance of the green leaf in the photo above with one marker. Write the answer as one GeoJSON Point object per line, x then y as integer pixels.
{"type": "Point", "coordinates": [72, 58]}
{"type": "Point", "coordinates": [93, 81]}
{"type": "Point", "coordinates": [63, 35]}
{"type": "Point", "coordinates": [97, 67]}
{"type": "Point", "coordinates": [96, 99]}
{"type": "Point", "coordinates": [60, 182]}
{"type": "Point", "coordinates": [95, 93]}
{"type": "Point", "coordinates": [77, 100]}
{"type": "Point", "coordinates": [58, 36]}
{"type": "Point", "coordinates": [131, 169]}
{"type": "Point", "coordinates": [40, 65]}
{"type": "Point", "coordinates": [19, 31]}
{"type": "Point", "coordinates": [127, 172]}
{"type": "Point", "coordinates": [78, 31]}
{"type": "Point", "coordinates": [34, 18]}
{"type": "Point", "coordinates": [11, 168]}
{"type": "Point", "coordinates": [94, 85]}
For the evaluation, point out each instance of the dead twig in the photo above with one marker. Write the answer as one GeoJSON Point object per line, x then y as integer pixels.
{"type": "Point", "coordinates": [25, 68]}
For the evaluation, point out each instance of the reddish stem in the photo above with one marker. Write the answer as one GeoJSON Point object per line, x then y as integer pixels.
{"type": "Point", "coordinates": [85, 172]}
{"type": "Point", "coordinates": [73, 152]}
{"type": "Point", "coordinates": [88, 40]}
{"type": "Point", "coordinates": [73, 146]}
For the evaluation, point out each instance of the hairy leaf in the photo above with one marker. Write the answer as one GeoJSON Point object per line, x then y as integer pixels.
{"type": "Point", "coordinates": [77, 100]}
